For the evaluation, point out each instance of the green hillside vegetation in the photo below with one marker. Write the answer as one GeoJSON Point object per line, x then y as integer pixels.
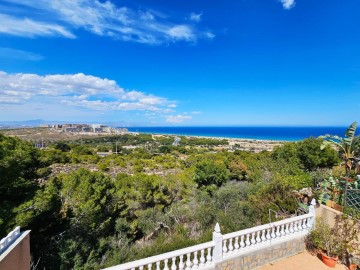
{"type": "Point", "coordinates": [85, 219]}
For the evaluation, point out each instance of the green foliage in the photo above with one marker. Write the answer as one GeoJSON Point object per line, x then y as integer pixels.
{"type": "Point", "coordinates": [19, 165]}
{"type": "Point", "coordinates": [277, 195]}
{"type": "Point", "coordinates": [62, 146]}
{"type": "Point", "coordinates": [313, 157]}
{"type": "Point", "coordinates": [238, 170]}
{"type": "Point", "coordinates": [210, 173]}
{"type": "Point", "coordinates": [308, 154]}
{"type": "Point", "coordinates": [90, 220]}
{"type": "Point", "coordinates": [340, 240]}
{"type": "Point", "coordinates": [346, 145]}
{"type": "Point", "coordinates": [82, 150]}
{"type": "Point", "coordinates": [51, 156]}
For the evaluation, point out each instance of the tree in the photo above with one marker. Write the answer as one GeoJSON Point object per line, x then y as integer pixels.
{"type": "Point", "coordinates": [312, 156]}
{"type": "Point", "coordinates": [210, 172]}
{"type": "Point", "coordinates": [62, 146]}
{"type": "Point", "coordinates": [346, 145]}
{"type": "Point", "coordinates": [19, 163]}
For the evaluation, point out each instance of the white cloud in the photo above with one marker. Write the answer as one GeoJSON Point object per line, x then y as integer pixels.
{"type": "Point", "coordinates": [195, 17]}
{"type": "Point", "coordinates": [10, 53]}
{"type": "Point", "coordinates": [181, 32]}
{"type": "Point", "coordinates": [102, 18]}
{"type": "Point", "coordinates": [29, 28]}
{"type": "Point", "coordinates": [288, 4]}
{"type": "Point", "coordinates": [177, 118]}
{"type": "Point", "coordinates": [76, 90]}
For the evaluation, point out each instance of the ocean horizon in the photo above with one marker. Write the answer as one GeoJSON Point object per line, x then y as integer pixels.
{"type": "Point", "coordinates": [241, 132]}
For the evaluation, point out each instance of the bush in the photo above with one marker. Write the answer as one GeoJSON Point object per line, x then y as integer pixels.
{"type": "Point", "coordinates": [209, 172]}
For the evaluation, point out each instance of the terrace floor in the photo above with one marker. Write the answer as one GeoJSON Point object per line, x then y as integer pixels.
{"type": "Point", "coordinates": [303, 261]}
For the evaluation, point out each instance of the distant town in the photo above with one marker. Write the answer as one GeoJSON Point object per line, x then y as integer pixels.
{"type": "Point", "coordinates": [86, 128]}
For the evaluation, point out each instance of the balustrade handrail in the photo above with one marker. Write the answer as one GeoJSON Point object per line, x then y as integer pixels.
{"type": "Point", "coordinates": [266, 226]}
{"type": "Point", "coordinates": [161, 257]}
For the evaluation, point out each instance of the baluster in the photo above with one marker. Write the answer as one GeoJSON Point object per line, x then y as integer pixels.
{"type": "Point", "coordinates": [304, 223]}
{"type": "Point", "coordinates": [231, 247]}
{"type": "Point", "coordinates": [282, 231]}
{"type": "Point", "coordinates": [166, 267]}
{"type": "Point", "coordinates": [247, 242]}
{"type": "Point", "coordinates": [225, 247]}
{"type": "Point", "coordinates": [278, 234]}
{"type": "Point", "coordinates": [195, 261]}
{"type": "Point", "coordinates": [202, 258]}
{"type": "Point", "coordinates": [149, 266]}
{"type": "Point", "coordinates": [2, 244]}
{"type": "Point", "coordinates": [242, 243]}
{"type": "Point", "coordinates": [273, 235]}
{"type": "Point", "coordinates": [308, 223]}
{"type": "Point", "coordinates": [157, 266]}
{"type": "Point", "coordinates": [237, 243]}
{"type": "Point", "coordinates": [208, 256]}
{"type": "Point", "coordinates": [173, 265]}
{"type": "Point", "coordinates": [258, 239]}
{"type": "Point", "coordinates": [263, 235]}
{"type": "Point", "coordinates": [181, 263]}
{"type": "Point", "coordinates": [253, 241]}
{"type": "Point", "coordinates": [299, 225]}
{"type": "Point", "coordinates": [287, 228]}
{"type": "Point", "coordinates": [188, 262]}
{"type": "Point", "coordinates": [291, 227]}
{"type": "Point", "coordinates": [141, 267]}
{"type": "Point", "coordinates": [133, 268]}
{"type": "Point", "coordinates": [296, 226]}
{"type": "Point", "coordinates": [268, 234]}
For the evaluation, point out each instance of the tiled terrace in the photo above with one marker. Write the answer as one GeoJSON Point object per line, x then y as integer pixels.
{"type": "Point", "coordinates": [303, 261]}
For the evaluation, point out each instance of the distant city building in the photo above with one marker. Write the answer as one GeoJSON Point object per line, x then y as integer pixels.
{"type": "Point", "coordinates": [85, 128]}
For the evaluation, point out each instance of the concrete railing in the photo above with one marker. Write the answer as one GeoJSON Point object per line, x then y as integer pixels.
{"type": "Point", "coordinates": [205, 256]}
{"type": "Point", "coordinates": [264, 234]}
{"type": "Point", "coordinates": [198, 256]}
{"type": "Point", "coordinates": [9, 239]}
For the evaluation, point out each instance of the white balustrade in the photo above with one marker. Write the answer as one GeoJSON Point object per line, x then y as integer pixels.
{"type": "Point", "coordinates": [206, 255]}
{"type": "Point", "coordinates": [9, 239]}
{"type": "Point", "coordinates": [174, 260]}
{"type": "Point", "coordinates": [276, 231]}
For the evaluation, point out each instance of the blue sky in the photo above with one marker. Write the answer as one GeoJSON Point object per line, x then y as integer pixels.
{"type": "Point", "coordinates": [160, 62]}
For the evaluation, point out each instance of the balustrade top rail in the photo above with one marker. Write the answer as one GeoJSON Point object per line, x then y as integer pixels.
{"type": "Point", "coordinates": [162, 257]}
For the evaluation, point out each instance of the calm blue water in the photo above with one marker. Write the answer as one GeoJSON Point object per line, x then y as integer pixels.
{"type": "Point", "coordinates": [260, 133]}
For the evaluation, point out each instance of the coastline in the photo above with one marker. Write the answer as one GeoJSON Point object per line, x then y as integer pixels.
{"type": "Point", "coordinates": [213, 137]}
{"type": "Point", "coordinates": [282, 134]}
{"type": "Point", "coordinates": [244, 144]}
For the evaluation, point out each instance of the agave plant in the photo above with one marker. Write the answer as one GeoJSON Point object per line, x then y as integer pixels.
{"type": "Point", "coordinates": [346, 145]}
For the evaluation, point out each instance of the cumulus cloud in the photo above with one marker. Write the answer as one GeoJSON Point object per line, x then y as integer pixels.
{"type": "Point", "coordinates": [288, 4]}
{"type": "Point", "coordinates": [102, 18]}
{"type": "Point", "coordinates": [195, 17]}
{"type": "Point", "coordinates": [177, 118]}
{"type": "Point", "coordinates": [76, 90]}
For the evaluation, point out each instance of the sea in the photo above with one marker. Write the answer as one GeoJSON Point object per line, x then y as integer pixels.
{"type": "Point", "coordinates": [257, 133]}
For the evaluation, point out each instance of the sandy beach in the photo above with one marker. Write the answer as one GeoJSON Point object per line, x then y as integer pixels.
{"type": "Point", "coordinates": [253, 145]}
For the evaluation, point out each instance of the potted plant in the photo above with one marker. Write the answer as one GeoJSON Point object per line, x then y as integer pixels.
{"type": "Point", "coordinates": [354, 262]}
{"type": "Point", "coordinates": [337, 242]}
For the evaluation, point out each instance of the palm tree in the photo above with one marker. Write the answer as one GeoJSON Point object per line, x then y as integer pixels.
{"type": "Point", "coordinates": [346, 145]}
